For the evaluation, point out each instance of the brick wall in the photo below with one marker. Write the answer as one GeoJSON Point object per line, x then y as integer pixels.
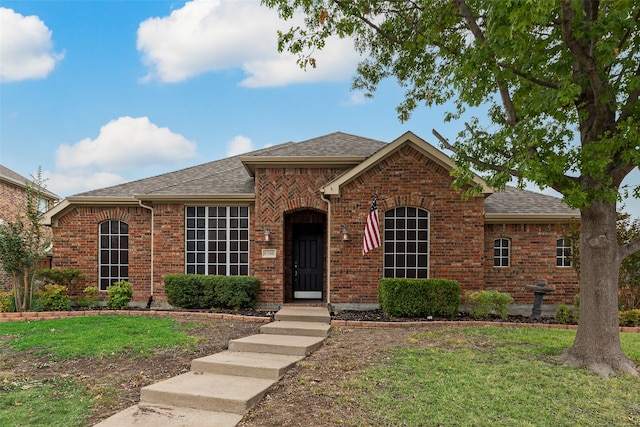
{"type": "Point", "coordinates": [279, 192]}
{"type": "Point", "coordinates": [76, 245]}
{"type": "Point", "coordinates": [533, 256]}
{"type": "Point", "coordinates": [406, 178]}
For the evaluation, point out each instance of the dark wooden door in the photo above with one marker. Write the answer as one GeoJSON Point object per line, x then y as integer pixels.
{"type": "Point", "coordinates": [308, 260]}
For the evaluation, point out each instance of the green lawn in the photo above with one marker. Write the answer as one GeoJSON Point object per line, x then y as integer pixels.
{"type": "Point", "coordinates": [496, 377]}
{"type": "Point", "coordinates": [63, 400]}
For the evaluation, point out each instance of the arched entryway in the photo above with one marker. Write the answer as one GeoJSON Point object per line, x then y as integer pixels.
{"type": "Point", "coordinates": [305, 234]}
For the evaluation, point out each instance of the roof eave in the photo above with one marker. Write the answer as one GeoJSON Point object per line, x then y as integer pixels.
{"type": "Point", "coordinates": [244, 198]}
{"type": "Point", "coordinates": [251, 163]}
{"type": "Point", "coordinates": [507, 218]}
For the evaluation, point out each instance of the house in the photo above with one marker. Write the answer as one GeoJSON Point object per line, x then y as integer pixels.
{"type": "Point", "coordinates": [13, 198]}
{"type": "Point", "coordinates": [294, 215]}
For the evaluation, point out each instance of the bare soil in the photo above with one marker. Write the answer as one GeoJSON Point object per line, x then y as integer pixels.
{"type": "Point", "coordinates": [314, 393]}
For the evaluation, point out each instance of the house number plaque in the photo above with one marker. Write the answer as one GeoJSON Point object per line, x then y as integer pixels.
{"type": "Point", "coordinates": [268, 253]}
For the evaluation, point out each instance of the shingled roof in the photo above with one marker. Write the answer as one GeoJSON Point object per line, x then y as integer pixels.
{"type": "Point", "coordinates": [14, 178]}
{"type": "Point", "coordinates": [517, 203]}
{"type": "Point", "coordinates": [232, 177]}
{"type": "Point", "coordinates": [229, 176]}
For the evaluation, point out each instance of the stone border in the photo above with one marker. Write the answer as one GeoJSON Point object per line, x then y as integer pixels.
{"type": "Point", "coordinates": [50, 315]}
{"type": "Point", "coordinates": [472, 323]}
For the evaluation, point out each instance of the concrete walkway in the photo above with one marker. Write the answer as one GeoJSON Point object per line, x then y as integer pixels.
{"type": "Point", "coordinates": [222, 387]}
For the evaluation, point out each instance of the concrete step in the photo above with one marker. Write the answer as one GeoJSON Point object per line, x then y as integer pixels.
{"type": "Point", "coordinates": [303, 314]}
{"type": "Point", "coordinates": [211, 392]}
{"type": "Point", "coordinates": [306, 329]}
{"type": "Point", "coordinates": [246, 364]}
{"type": "Point", "coordinates": [151, 415]}
{"type": "Point", "coordinates": [277, 344]}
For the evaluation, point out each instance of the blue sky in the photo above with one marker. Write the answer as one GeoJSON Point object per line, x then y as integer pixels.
{"type": "Point", "coordinates": [102, 92]}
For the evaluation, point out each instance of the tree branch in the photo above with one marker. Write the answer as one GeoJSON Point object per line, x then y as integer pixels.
{"type": "Point", "coordinates": [476, 162]}
{"type": "Point", "coordinates": [502, 86]}
{"type": "Point", "coordinates": [629, 249]}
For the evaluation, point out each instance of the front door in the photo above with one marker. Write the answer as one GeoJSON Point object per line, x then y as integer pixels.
{"type": "Point", "coordinates": [308, 259]}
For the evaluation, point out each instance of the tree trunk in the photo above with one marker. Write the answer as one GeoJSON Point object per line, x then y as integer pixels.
{"type": "Point", "coordinates": [597, 345]}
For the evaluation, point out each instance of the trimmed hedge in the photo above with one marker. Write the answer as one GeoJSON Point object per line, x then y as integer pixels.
{"type": "Point", "coordinates": [198, 291]}
{"type": "Point", "coordinates": [419, 297]}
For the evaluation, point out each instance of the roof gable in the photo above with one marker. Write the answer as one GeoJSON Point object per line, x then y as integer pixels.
{"type": "Point", "coordinates": [432, 153]}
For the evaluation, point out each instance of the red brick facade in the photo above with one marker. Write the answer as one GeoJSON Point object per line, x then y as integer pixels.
{"type": "Point", "coordinates": [460, 242]}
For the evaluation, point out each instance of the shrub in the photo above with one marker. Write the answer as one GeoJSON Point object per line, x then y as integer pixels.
{"type": "Point", "coordinates": [197, 291]}
{"type": "Point", "coordinates": [563, 314]}
{"type": "Point", "coordinates": [483, 303]}
{"type": "Point", "coordinates": [52, 298]}
{"type": "Point", "coordinates": [189, 290]}
{"type": "Point", "coordinates": [7, 302]}
{"type": "Point", "coordinates": [576, 308]}
{"type": "Point", "coordinates": [89, 297]}
{"type": "Point", "coordinates": [119, 295]}
{"type": "Point", "coordinates": [630, 318]}
{"type": "Point", "coordinates": [419, 297]}
{"type": "Point", "coordinates": [64, 276]}
{"type": "Point", "coordinates": [237, 292]}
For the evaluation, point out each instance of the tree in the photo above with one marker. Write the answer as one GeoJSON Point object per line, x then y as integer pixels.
{"type": "Point", "coordinates": [23, 244]}
{"type": "Point", "coordinates": [560, 80]}
{"type": "Point", "coordinates": [629, 281]}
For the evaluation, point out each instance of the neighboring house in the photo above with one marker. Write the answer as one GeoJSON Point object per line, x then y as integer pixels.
{"type": "Point", "coordinates": [13, 199]}
{"type": "Point", "coordinates": [294, 216]}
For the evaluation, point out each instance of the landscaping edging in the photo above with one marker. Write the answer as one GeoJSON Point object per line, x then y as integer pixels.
{"type": "Point", "coordinates": [472, 323]}
{"type": "Point", "coordinates": [49, 315]}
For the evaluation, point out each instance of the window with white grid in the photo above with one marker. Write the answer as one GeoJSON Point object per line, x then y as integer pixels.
{"type": "Point", "coordinates": [406, 243]}
{"type": "Point", "coordinates": [501, 252]}
{"type": "Point", "coordinates": [563, 253]}
{"type": "Point", "coordinates": [217, 240]}
{"type": "Point", "coordinates": [114, 252]}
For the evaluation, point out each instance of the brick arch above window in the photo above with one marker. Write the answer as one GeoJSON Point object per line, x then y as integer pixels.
{"type": "Point", "coordinates": [116, 214]}
{"type": "Point", "coordinates": [410, 200]}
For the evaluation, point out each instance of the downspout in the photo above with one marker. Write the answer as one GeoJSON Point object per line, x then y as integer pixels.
{"type": "Point", "coordinates": [142, 205]}
{"type": "Point", "coordinates": [328, 201]}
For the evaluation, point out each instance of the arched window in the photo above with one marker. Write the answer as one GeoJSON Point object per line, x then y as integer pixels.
{"type": "Point", "coordinates": [501, 253]}
{"type": "Point", "coordinates": [114, 253]}
{"type": "Point", "coordinates": [406, 242]}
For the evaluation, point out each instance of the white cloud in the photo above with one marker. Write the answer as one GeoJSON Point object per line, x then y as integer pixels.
{"type": "Point", "coordinates": [25, 47]}
{"type": "Point", "coordinates": [215, 35]}
{"type": "Point", "coordinates": [67, 183]}
{"type": "Point", "coordinates": [126, 143]}
{"type": "Point", "coordinates": [356, 98]}
{"type": "Point", "coordinates": [238, 145]}
{"type": "Point", "coordinates": [125, 149]}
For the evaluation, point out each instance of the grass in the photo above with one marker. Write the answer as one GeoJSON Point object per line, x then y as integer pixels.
{"type": "Point", "coordinates": [61, 399]}
{"type": "Point", "coordinates": [93, 336]}
{"type": "Point", "coordinates": [496, 377]}
{"type": "Point", "coordinates": [52, 401]}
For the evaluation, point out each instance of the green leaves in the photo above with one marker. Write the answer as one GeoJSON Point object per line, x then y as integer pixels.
{"type": "Point", "coordinates": [559, 80]}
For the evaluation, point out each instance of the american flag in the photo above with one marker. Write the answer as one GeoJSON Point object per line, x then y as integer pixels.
{"type": "Point", "coordinates": [371, 229]}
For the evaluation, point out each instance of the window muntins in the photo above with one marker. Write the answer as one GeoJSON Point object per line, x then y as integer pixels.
{"type": "Point", "coordinates": [563, 253]}
{"type": "Point", "coordinates": [501, 252]}
{"type": "Point", "coordinates": [217, 240]}
{"type": "Point", "coordinates": [114, 253]}
{"type": "Point", "coordinates": [406, 243]}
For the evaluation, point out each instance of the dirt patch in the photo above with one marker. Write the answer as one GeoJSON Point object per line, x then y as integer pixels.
{"type": "Point", "coordinates": [315, 392]}
{"type": "Point", "coordinates": [116, 381]}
